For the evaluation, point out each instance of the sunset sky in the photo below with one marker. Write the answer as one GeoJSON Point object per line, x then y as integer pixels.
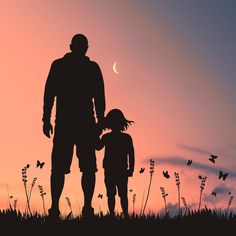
{"type": "Point", "coordinates": [177, 64]}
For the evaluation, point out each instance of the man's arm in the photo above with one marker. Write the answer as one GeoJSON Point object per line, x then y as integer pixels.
{"type": "Point", "coordinates": [49, 95]}
{"type": "Point", "coordinates": [99, 98]}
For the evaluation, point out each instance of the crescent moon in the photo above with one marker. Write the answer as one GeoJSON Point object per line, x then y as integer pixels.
{"type": "Point", "coordinates": [115, 68]}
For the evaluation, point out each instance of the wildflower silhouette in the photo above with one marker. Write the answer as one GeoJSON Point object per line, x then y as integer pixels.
{"type": "Point", "coordinates": [152, 164]}
{"type": "Point", "coordinates": [164, 195]}
{"type": "Point", "coordinates": [203, 183]}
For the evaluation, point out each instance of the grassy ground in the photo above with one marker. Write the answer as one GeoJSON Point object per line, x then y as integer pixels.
{"type": "Point", "coordinates": [195, 222]}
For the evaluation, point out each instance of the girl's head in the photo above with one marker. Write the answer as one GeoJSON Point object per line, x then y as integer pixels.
{"type": "Point", "coordinates": [115, 120]}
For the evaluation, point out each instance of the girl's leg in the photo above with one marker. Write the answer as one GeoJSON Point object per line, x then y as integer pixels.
{"type": "Point", "coordinates": [111, 205]}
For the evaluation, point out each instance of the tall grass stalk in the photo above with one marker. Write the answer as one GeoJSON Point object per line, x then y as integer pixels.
{"type": "Point", "coordinates": [134, 200]}
{"type": "Point", "coordinates": [185, 204]}
{"type": "Point", "coordinates": [42, 194]}
{"type": "Point", "coordinates": [164, 195]}
{"type": "Point", "coordinates": [229, 204]}
{"type": "Point", "coordinates": [31, 189]}
{"type": "Point", "coordinates": [152, 164]}
{"type": "Point", "coordinates": [24, 180]}
{"type": "Point", "coordinates": [203, 183]}
{"type": "Point", "coordinates": [141, 210]}
{"type": "Point", "coordinates": [177, 180]}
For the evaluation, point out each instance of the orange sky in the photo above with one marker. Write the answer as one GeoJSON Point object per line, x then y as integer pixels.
{"type": "Point", "coordinates": [163, 84]}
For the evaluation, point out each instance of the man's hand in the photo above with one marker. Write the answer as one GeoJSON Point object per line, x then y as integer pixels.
{"type": "Point", "coordinates": [100, 126]}
{"type": "Point", "coordinates": [130, 173]}
{"type": "Point", "coordinates": [47, 129]}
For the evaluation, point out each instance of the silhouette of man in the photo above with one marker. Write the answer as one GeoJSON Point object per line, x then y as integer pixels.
{"type": "Point", "coordinates": [77, 84]}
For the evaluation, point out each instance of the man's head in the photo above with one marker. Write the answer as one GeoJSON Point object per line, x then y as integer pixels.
{"type": "Point", "coordinates": [79, 44]}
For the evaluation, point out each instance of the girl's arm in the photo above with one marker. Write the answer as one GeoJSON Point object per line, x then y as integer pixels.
{"type": "Point", "coordinates": [131, 159]}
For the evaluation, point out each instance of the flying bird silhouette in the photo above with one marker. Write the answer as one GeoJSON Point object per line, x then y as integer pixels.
{"type": "Point", "coordinates": [40, 164]}
{"type": "Point", "coordinates": [141, 170]}
{"type": "Point", "coordinates": [189, 162]}
{"type": "Point", "coordinates": [100, 195]}
{"type": "Point", "coordinates": [213, 158]}
{"type": "Point", "coordinates": [213, 193]}
{"type": "Point", "coordinates": [131, 190]}
{"type": "Point", "coordinates": [166, 174]}
{"type": "Point", "coordinates": [223, 175]}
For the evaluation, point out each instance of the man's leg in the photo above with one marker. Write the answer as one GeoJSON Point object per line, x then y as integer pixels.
{"type": "Point", "coordinates": [124, 205]}
{"type": "Point", "coordinates": [88, 185]}
{"type": "Point", "coordinates": [61, 161]}
{"type": "Point", "coordinates": [111, 205]}
{"type": "Point", "coordinates": [57, 184]}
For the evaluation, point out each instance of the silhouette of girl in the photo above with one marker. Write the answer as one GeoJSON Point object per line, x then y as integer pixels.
{"type": "Point", "coordinates": [118, 162]}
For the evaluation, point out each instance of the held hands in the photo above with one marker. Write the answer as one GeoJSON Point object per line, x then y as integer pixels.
{"type": "Point", "coordinates": [47, 129]}
{"type": "Point", "coordinates": [100, 126]}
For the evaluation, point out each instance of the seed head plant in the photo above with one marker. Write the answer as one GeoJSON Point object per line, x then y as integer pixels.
{"type": "Point", "coordinates": [151, 171]}
{"type": "Point", "coordinates": [42, 194]}
{"type": "Point", "coordinates": [229, 204]}
{"type": "Point", "coordinates": [164, 195]}
{"type": "Point", "coordinates": [177, 181]}
{"type": "Point", "coordinates": [185, 204]}
{"type": "Point", "coordinates": [134, 200]}
{"type": "Point", "coordinates": [24, 180]}
{"type": "Point", "coordinates": [203, 184]}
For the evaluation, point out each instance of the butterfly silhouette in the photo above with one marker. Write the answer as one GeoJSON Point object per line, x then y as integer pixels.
{"type": "Point", "coordinates": [166, 174]}
{"type": "Point", "coordinates": [100, 195]}
{"type": "Point", "coordinates": [212, 158]}
{"type": "Point", "coordinates": [200, 177]}
{"type": "Point", "coordinates": [213, 193]}
{"type": "Point", "coordinates": [222, 175]}
{"type": "Point", "coordinates": [189, 162]}
{"type": "Point", "coordinates": [28, 165]}
{"type": "Point", "coordinates": [11, 196]}
{"type": "Point", "coordinates": [141, 170]}
{"type": "Point", "coordinates": [40, 164]}
{"type": "Point", "coordinates": [131, 190]}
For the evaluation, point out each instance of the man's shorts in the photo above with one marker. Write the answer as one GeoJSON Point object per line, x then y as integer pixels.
{"type": "Point", "coordinates": [63, 148]}
{"type": "Point", "coordinates": [115, 181]}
